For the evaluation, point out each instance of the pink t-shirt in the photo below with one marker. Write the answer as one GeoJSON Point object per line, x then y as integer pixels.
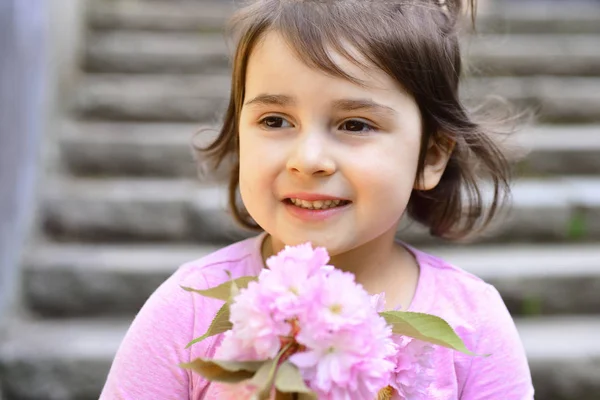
{"type": "Point", "coordinates": [146, 364]}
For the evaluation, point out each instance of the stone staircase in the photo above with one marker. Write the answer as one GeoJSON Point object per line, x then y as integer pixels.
{"type": "Point", "coordinates": [127, 208]}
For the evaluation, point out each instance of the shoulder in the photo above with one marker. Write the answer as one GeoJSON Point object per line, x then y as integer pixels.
{"type": "Point", "coordinates": [476, 311]}
{"type": "Point", "coordinates": [242, 258]}
{"type": "Point", "coordinates": [176, 307]}
{"type": "Point", "coordinates": [451, 281]}
{"type": "Point", "coordinates": [155, 342]}
{"type": "Point", "coordinates": [465, 300]}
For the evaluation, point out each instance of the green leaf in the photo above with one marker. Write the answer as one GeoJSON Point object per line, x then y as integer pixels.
{"type": "Point", "coordinates": [223, 291]}
{"type": "Point", "coordinates": [223, 371]}
{"type": "Point", "coordinates": [289, 380]}
{"type": "Point", "coordinates": [263, 379]}
{"type": "Point", "coordinates": [577, 226]}
{"type": "Point", "coordinates": [234, 290]}
{"type": "Point", "coordinates": [425, 327]}
{"type": "Point", "coordinates": [218, 325]}
{"type": "Point", "coordinates": [532, 306]}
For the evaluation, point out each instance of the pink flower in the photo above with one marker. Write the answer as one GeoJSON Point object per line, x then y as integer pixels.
{"type": "Point", "coordinates": [335, 300]}
{"type": "Point", "coordinates": [255, 334]}
{"type": "Point", "coordinates": [347, 349]}
{"type": "Point", "coordinates": [378, 302]}
{"type": "Point", "coordinates": [413, 368]}
{"type": "Point", "coordinates": [260, 313]}
{"type": "Point", "coordinates": [347, 343]}
{"type": "Point", "coordinates": [302, 256]}
{"type": "Point", "coordinates": [286, 281]}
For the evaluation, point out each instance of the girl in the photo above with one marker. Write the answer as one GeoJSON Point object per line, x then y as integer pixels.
{"type": "Point", "coordinates": [344, 117]}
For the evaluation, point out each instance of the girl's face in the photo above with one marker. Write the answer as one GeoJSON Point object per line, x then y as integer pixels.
{"type": "Point", "coordinates": [310, 136]}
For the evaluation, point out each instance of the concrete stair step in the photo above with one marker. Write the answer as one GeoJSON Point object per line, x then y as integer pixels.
{"type": "Point", "coordinates": [136, 149]}
{"type": "Point", "coordinates": [134, 210]}
{"type": "Point", "coordinates": [153, 98]}
{"type": "Point", "coordinates": [160, 15]}
{"type": "Point", "coordinates": [201, 98]}
{"type": "Point", "coordinates": [71, 359]}
{"type": "Point", "coordinates": [74, 279]}
{"type": "Point", "coordinates": [150, 52]}
{"type": "Point", "coordinates": [163, 149]}
{"type": "Point", "coordinates": [540, 17]}
{"type": "Point", "coordinates": [85, 280]}
{"type": "Point", "coordinates": [531, 54]}
{"type": "Point", "coordinates": [58, 359]}
{"type": "Point", "coordinates": [553, 209]}
{"type": "Point", "coordinates": [576, 17]}
{"type": "Point", "coordinates": [551, 152]}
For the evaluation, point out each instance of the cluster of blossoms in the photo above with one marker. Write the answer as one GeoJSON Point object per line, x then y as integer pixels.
{"type": "Point", "coordinates": [330, 325]}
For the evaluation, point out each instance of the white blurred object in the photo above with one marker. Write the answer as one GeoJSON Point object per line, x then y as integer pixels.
{"type": "Point", "coordinates": [22, 70]}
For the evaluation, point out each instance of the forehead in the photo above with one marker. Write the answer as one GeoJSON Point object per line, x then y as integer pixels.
{"type": "Point", "coordinates": [276, 65]}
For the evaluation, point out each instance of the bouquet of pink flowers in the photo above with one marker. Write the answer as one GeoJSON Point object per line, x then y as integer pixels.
{"type": "Point", "coordinates": [303, 329]}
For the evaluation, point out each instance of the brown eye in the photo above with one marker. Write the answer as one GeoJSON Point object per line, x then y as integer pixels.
{"type": "Point", "coordinates": [354, 125]}
{"type": "Point", "coordinates": [274, 122]}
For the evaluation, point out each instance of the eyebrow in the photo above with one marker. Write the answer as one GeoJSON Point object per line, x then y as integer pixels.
{"type": "Point", "coordinates": [341, 105]}
{"type": "Point", "coordinates": [363, 105]}
{"type": "Point", "coordinates": [271, 100]}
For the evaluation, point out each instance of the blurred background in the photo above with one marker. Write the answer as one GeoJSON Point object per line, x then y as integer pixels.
{"type": "Point", "coordinates": [100, 199]}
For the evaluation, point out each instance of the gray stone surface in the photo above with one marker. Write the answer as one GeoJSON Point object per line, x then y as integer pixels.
{"type": "Point", "coordinates": [562, 353]}
{"type": "Point", "coordinates": [118, 209]}
{"type": "Point", "coordinates": [162, 16]}
{"type": "Point", "coordinates": [153, 98]}
{"type": "Point", "coordinates": [112, 149]}
{"type": "Point", "coordinates": [132, 149]}
{"type": "Point", "coordinates": [71, 360]}
{"type": "Point", "coordinates": [551, 99]}
{"type": "Point", "coordinates": [202, 98]}
{"type": "Point", "coordinates": [58, 360]}
{"type": "Point", "coordinates": [504, 55]}
{"type": "Point", "coordinates": [557, 209]}
{"type": "Point", "coordinates": [561, 149]}
{"type": "Point", "coordinates": [143, 52]}
{"type": "Point", "coordinates": [85, 280]}
{"type": "Point", "coordinates": [134, 210]}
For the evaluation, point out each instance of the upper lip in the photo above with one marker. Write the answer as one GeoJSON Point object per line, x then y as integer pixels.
{"type": "Point", "coordinates": [312, 196]}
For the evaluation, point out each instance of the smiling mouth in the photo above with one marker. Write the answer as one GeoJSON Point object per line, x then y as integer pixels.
{"type": "Point", "coordinates": [318, 204]}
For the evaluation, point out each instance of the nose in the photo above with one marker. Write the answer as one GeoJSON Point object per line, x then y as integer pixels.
{"type": "Point", "coordinates": [311, 155]}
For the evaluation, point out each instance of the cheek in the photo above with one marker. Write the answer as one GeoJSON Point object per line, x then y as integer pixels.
{"type": "Point", "coordinates": [387, 178]}
{"type": "Point", "coordinates": [257, 168]}
{"type": "Point", "coordinates": [247, 172]}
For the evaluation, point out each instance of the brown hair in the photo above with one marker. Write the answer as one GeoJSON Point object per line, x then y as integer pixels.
{"type": "Point", "coordinates": [416, 42]}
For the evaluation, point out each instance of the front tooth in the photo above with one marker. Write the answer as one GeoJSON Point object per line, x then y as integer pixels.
{"type": "Point", "coordinates": [306, 204]}
{"type": "Point", "coordinates": [318, 204]}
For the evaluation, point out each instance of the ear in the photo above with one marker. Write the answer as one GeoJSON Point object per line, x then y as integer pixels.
{"type": "Point", "coordinates": [436, 159]}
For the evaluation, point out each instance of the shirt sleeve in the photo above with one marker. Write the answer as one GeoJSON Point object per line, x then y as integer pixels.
{"type": "Point", "coordinates": [505, 374]}
{"type": "Point", "coordinates": [146, 363]}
